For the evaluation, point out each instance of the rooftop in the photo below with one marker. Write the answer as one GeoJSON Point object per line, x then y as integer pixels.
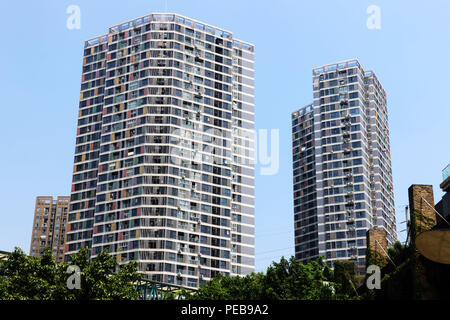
{"type": "Point", "coordinates": [346, 64]}
{"type": "Point", "coordinates": [336, 65]}
{"type": "Point", "coordinates": [170, 17]}
{"type": "Point", "coordinates": [304, 110]}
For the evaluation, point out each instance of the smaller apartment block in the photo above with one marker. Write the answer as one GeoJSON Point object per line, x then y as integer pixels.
{"type": "Point", "coordinates": [49, 226]}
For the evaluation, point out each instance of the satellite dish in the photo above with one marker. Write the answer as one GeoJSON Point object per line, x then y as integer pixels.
{"type": "Point", "coordinates": [435, 245]}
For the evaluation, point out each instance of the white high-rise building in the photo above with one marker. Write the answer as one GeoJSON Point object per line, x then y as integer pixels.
{"type": "Point", "coordinates": [163, 170]}
{"type": "Point", "coordinates": [342, 165]}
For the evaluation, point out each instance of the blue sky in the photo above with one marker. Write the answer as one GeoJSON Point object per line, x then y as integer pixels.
{"type": "Point", "coordinates": [41, 72]}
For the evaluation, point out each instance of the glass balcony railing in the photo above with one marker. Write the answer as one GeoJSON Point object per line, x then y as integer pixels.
{"type": "Point", "coordinates": [446, 172]}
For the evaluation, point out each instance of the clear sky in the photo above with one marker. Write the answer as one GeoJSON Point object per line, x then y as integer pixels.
{"type": "Point", "coordinates": [41, 72]}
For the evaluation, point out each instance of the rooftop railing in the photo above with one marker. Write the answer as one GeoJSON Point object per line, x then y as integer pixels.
{"type": "Point", "coordinates": [446, 173]}
{"type": "Point", "coordinates": [335, 66]}
{"type": "Point", "coordinates": [302, 111]}
{"type": "Point", "coordinates": [164, 17]}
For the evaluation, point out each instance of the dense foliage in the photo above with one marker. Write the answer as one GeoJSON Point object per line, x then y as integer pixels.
{"type": "Point", "coordinates": [31, 278]}
{"type": "Point", "coordinates": [284, 280]}
{"type": "Point", "coordinates": [409, 275]}
{"type": "Point", "coordinates": [345, 277]}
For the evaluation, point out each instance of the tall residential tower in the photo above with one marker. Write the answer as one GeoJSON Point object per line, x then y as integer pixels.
{"type": "Point", "coordinates": [163, 168]}
{"type": "Point", "coordinates": [49, 226]}
{"type": "Point", "coordinates": [342, 165]}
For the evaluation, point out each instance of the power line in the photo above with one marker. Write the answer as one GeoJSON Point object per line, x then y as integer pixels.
{"type": "Point", "coordinates": [387, 255]}
{"type": "Point", "coordinates": [273, 234]}
{"type": "Point", "coordinates": [274, 250]}
{"type": "Point", "coordinates": [275, 257]}
{"type": "Point", "coordinates": [434, 210]}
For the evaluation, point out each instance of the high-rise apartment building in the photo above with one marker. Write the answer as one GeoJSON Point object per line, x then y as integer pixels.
{"type": "Point", "coordinates": [49, 226]}
{"type": "Point", "coordinates": [342, 165]}
{"type": "Point", "coordinates": [163, 170]}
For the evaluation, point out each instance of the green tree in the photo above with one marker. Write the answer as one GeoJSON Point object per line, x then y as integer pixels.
{"type": "Point", "coordinates": [249, 287]}
{"type": "Point", "coordinates": [284, 280]}
{"type": "Point", "coordinates": [399, 253]}
{"type": "Point", "coordinates": [32, 278]}
{"type": "Point", "coordinates": [291, 279]}
{"type": "Point", "coordinates": [345, 277]}
{"type": "Point", "coordinates": [24, 277]}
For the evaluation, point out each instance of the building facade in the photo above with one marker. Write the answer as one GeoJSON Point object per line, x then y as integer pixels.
{"type": "Point", "coordinates": [163, 168]}
{"type": "Point", "coordinates": [342, 165]}
{"type": "Point", "coordinates": [49, 226]}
